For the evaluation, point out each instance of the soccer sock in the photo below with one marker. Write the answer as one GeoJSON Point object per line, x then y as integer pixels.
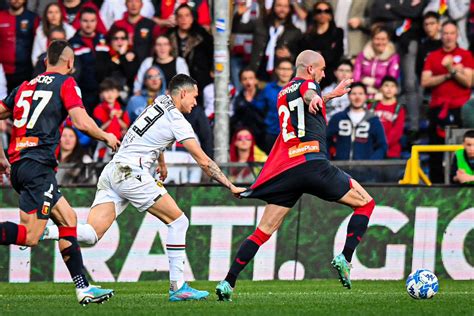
{"type": "Point", "coordinates": [86, 233]}
{"type": "Point", "coordinates": [72, 256]}
{"type": "Point", "coordinates": [246, 252]}
{"type": "Point", "coordinates": [176, 249]}
{"type": "Point", "coordinates": [11, 233]}
{"type": "Point", "coordinates": [356, 228]}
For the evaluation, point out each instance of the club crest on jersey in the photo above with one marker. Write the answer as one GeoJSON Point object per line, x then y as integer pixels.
{"type": "Point", "coordinates": [26, 142]}
{"type": "Point", "coordinates": [289, 89]}
{"type": "Point", "coordinates": [304, 148]}
{"type": "Point", "coordinates": [45, 209]}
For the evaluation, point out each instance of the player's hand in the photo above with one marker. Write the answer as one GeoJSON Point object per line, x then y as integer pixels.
{"type": "Point", "coordinates": [163, 171]}
{"type": "Point", "coordinates": [112, 142]}
{"type": "Point", "coordinates": [4, 166]}
{"type": "Point", "coordinates": [237, 190]}
{"type": "Point", "coordinates": [342, 88]}
{"type": "Point", "coordinates": [316, 104]}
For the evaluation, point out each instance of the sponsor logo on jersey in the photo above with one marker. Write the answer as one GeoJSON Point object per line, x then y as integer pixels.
{"type": "Point", "coordinates": [41, 79]}
{"type": "Point", "coordinates": [26, 142]}
{"type": "Point", "coordinates": [289, 89]}
{"type": "Point", "coordinates": [304, 148]}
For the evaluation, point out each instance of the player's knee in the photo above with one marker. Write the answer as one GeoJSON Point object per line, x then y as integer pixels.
{"type": "Point", "coordinates": [180, 224]}
{"type": "Point", "coordinates": [31, 241]}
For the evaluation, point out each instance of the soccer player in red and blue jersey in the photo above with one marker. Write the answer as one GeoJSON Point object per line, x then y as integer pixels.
{"type": "Point", "coordinates": [38, 108]}
{"type": "Point", "coordinates": [298, 164]}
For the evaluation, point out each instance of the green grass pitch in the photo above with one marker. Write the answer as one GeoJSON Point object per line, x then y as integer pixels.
{"type": "Point", "coordinates": [309, 297]}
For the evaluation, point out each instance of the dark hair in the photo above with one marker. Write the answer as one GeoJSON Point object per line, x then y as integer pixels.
{"type": "Point", "coordinates": [431, 14]}
{"type": "Point", "coordinates": [449, 22]}
{"type": "Point", "coordinates": [172, 50]}
{"type": "Point", "coordinates": [346, 62]}
{"type": "Point", "coordinates": [379, 28]}
{"type": "Point", "coordinates": [47, 27]}
{"type": "Point", "coordinates": [114, 30]}
{"type": "Point", "coordinates": [109, 84]}
{"type": "Point", "coordinates": [271, 17]}
{"type": "Point", "coordinates": [181, 81]}
{"type": "Point", "coordinates": [280, 61]}
{"type": "Point", "coordinates": [332, 23]}
{"type": "Point", "coordinates": [468, 134]}
{"type": "Point", "coordinates": [55, 50]}
{"type": "Point", "coordinates": [77, 152]}
{"type": "Point", "coordinates": [87, 10]}
{"type": "Point", "coordinates": [360, 85]}
{"type": "Point", "coordinates": [58, 29]}
{"type": "Point", "coordinates": [389, 79]}
{"type": "Point", "coordinates": [246, 69]}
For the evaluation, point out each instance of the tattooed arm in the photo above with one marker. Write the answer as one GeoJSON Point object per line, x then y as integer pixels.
{"type": "Point", "coordinates": [209, 166]}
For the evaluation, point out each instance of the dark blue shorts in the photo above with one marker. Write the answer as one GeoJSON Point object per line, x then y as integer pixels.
{"type": "Point", "coordinates": [36, 184]}
{"type": "Point", "coordinates": [316, 177]}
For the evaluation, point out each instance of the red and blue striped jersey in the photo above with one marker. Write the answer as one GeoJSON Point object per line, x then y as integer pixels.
{"type": "Point", "coordinates": [38, 108]}
{"type": "Point", "coordinates": [302, 134]}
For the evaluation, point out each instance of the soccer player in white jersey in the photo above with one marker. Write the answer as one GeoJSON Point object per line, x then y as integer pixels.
{"type": "Point", "coordinates": [128, 178]}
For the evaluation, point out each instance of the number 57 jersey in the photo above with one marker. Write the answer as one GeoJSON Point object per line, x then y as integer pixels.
{"type": "Point", "coordinates": [158, 127]}
{"type": "Point", "coordinates": [39, 107]}
{"type": "Point", "coordinates": [302, 134]}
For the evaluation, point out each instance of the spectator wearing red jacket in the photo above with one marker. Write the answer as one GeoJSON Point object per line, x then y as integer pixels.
{"type": "Point", "coordinates": [165, 13]}
{"type": "Point", "coordinates": [392, 116]}
{"type": "Point", "coordinates": [17, 31]}
{"type": "Point", "coordinates": [110, 116]}
{"type": "Point", "coordinates": [140, 29]}
{"type": "Point", "coordinates": [71, 10]}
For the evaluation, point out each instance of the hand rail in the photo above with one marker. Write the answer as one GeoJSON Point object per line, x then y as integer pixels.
{"type": "Point", "coordinates": [413, 171]}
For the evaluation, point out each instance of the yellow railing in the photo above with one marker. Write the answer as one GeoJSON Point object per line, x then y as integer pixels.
{"type": "Point", "coordinates": [413, 172]}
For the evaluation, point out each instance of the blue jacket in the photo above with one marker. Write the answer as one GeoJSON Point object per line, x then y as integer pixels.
{"type": "Point", "coordinates": [266, 103]}
{"type": "Point", "coordinates": [365, 141]}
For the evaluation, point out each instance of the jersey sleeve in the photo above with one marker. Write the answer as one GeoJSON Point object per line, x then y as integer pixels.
{"type": "Point", "coordinates": [71, 94]}
{"type": "Point", "coordinates": [182, 130]}
{"type": "Point", "coordinates": [9, 101]}
{"type": "Point", "coordinates": [309, 85]}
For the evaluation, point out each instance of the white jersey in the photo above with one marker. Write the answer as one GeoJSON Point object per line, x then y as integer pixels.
{"type": "Point", "coordinates": [157, 128]}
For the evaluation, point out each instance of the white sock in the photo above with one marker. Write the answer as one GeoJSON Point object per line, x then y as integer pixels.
{"type": "Point", "coordinates": [87, 234]}
{"type": "Point", "coordinates": [176, 249]}
{"type": "Point", "coordinates": [53, 232]}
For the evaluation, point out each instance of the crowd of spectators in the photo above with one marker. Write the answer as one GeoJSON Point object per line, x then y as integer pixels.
{"type": "Point", "coordinates": [411, 60]}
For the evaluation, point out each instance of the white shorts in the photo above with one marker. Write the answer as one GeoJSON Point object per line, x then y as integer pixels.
{"type": "Point", "coordinates": [121, 183]}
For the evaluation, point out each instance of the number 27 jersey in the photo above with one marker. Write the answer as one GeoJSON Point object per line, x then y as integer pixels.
{"type": "Point", "coordinates": [302, 134]}
{"type": "Point", "coordinates": [39, 107]}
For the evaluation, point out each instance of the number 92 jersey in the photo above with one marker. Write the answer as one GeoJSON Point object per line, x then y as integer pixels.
{"type": "Point", "coordinates": [39, 107]}
{"type": "Point", "coordinates": [158, 127]}
{"type": "Point", "coordinates": [302, 134]}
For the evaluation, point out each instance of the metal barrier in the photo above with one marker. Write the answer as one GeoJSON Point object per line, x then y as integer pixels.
{"type": "Point", "coordinates": [413, 172]}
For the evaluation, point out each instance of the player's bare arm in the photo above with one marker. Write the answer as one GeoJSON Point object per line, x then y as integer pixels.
{"type": "Point", "coordinates": [342, 88]}
{"type": "Point", "coordinates": [162, 169]}
{"type": "Point", "coordinates": [4, 164]}
{"type": "Point", "coordinates": [209, 166]}
{"type": "Point", "coordinates": [86, 124]}
{"type": "Point", "coordinates": [314, 101]}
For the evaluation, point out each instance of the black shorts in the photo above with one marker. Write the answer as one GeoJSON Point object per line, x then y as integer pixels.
{"type": "Point", "coordinates": [36, 184]}
{"type": "Point", "coordinates": [315, 177]}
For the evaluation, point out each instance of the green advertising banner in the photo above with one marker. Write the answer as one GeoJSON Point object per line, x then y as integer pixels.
{"type": "Point", "coordinates": [411, 227]}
